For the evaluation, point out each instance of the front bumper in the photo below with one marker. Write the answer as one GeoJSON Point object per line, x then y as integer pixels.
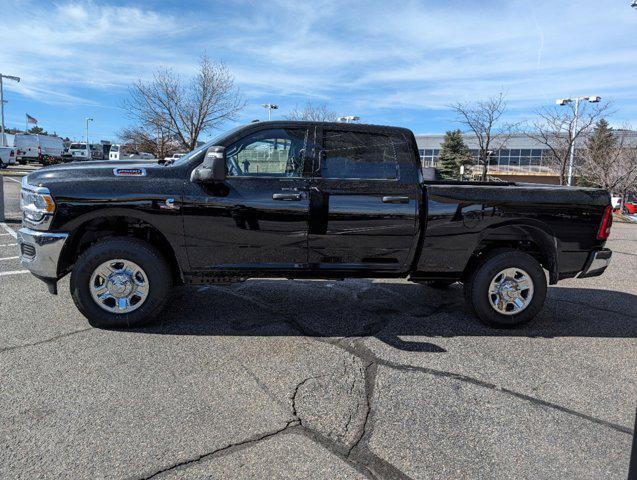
{"type": "Point", "coordinates": [40, 251]}
{"type": "Point", "coordinates": [596, 263]}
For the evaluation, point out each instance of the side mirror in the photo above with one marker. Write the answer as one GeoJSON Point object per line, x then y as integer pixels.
{"type": "Point", "coordinates": [213, 168]}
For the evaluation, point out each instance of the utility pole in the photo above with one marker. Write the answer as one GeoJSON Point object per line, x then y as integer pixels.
{"type": "Point", "coordinates": [270, 107]}
{"type": "Point", "coordinates": [15, 79]}
{"type": "Point", "coordinates": [88, 148]}
{"type": "Point", "coordinates": [565, 101]}
{"type": "Point", "coordinates": [571, 157]}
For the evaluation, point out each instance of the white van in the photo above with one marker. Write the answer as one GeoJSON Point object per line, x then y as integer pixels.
{"type": "Point", "coordinates": [33, 147]}
{"type": "Point", "coordinates": [114, 152]}
{"type": "Point", "coordinates": [7, 156]}
{"type": "Point", "coordinates": [119, 152]}
{"type": "Point", "coordinates": [78, 151]}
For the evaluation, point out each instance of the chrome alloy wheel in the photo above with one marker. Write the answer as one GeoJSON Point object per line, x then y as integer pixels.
{"type": "Point", "coordinates": [511, 291]}
{"type": "Point", "coordinates": [119, 286]}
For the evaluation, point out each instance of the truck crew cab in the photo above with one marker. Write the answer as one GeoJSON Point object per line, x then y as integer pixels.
{"type": "Point", "coordinates": [302, 200]}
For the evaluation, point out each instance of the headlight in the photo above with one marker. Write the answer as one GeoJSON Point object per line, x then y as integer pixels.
{"type": "Point", "coordinates": [36, 202]}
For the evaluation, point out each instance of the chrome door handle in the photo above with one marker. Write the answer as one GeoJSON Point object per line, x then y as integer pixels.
{"type": "Point", "coordinates": [395, 199]}
{"type": "Point", "coordinates": [289, 197]}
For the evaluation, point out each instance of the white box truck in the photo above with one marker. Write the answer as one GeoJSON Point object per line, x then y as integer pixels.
{"type": "Point", "coordinates": [46, 149]}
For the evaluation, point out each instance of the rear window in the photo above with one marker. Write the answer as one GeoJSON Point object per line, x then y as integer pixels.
{"type": "Point", "coordinates": [361, 155]}
{"type": "Point", "coordinates": [114, 149]}
{"type": "Point", "coordinates": [78, 146]}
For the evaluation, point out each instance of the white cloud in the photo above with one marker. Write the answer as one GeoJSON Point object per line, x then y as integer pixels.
{"type": "Point", "coordinates": [368, 57]}
{"type": "Point", "coordinates": [69, 45]}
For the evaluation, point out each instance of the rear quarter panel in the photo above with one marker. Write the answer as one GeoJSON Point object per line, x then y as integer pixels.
{"type": "Point", "coordinates": [460, 217]}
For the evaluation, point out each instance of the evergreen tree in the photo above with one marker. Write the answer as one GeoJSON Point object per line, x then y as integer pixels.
{"type": "Point", "coordinates": [37, 129]}
{"type": "Point", "coordinates": [453, 153]}
{"type": "Point", "coordinates": [600, 142]}
{"type": "Point", "coordinates": [599, 147]}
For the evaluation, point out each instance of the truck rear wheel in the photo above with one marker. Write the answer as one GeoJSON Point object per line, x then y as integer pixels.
{"type": "Point", "coordinates": [507, 289]}
{"type": "Point", "coordinates": [120, 283]}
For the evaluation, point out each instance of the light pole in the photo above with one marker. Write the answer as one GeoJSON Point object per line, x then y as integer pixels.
{"type": "Point", "coordinates": [15, 79]}
{"type": "Point", "coordinates": [566, 101]}
{"type": "Point", "coordinates": [88, 148]}
{"type": "Point", "coordinates": [270, 107]}
{"type": "Point", "coordinates": [348, 119]}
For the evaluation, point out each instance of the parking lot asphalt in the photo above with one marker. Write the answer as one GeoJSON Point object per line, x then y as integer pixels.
{"type": "Point", "coordinates": [319, 379]}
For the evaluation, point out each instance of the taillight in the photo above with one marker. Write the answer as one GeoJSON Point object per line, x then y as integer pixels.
{"type": "Point", "coordinates": [607, 221]}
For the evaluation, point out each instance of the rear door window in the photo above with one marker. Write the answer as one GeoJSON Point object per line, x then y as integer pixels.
{"type": "Point", "coordinates": [361, 155]}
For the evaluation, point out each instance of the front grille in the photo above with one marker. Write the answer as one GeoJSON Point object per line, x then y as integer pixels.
{"type": "Point", "coordinates": [27, 250]}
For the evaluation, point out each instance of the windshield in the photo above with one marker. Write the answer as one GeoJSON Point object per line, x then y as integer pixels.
{"type": "Point", "coordinates": [198, 151]}
{"type": "Point", "coordinates": [114, 148]}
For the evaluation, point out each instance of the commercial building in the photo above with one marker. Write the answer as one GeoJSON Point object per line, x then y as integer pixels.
{"type": "Point", "coordinates": [521, 160]}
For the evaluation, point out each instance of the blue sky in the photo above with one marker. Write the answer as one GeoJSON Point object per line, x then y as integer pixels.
{"type": "Point", "coordinates": [399, 63]}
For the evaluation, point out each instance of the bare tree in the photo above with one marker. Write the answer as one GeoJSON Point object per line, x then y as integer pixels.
{"type": "Point", "coordinates": [138, 139]}
{"type": "Point", "coordinates": [185, 109]}
{"type": "Point", "coordinates": [558, 130]}
{"type": "Point", "coordinates": [615, 169]}
{"type": "Point", "coordinates": [484, 119]}
{"type": "Point", "coordinates": [314, 113]}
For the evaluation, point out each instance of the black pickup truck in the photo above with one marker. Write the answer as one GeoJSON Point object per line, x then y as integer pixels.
{"type": "Point", "coordinates": [302, 200]}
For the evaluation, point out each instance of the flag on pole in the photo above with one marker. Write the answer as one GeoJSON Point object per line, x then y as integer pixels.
{"type": "Point", "coordinates": [30, 119]}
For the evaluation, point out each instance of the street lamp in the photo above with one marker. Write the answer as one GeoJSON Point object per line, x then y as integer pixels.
{"type": "Point", "coordinates": [270, 107]}
{"type": "Point", "coordinates": [2, 102]}
{"type": "Point", "coordinates": [348, 119]}
{"type": "Point", "coordinates": [634, 4]}
{"type": "Point", "coordinates": [566, 101]}
{"type": "Point", "coordinates": [88, 148]}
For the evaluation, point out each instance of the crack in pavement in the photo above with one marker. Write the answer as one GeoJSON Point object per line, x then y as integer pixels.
{"type": "Point", "coordinates": [358, 455]}
{"type": "Point", "coordinates": [594, 307]}
{"type": "Point", "coordinates": [48, 340]}
{"type": "Point", "coordinates": [365, 353]}
{"type": "Point", "coordinates": [366, 463]}
{"type": "Point", "coordinates": [231, 447]}
{"type": "Point", "coordinates": [296, 393]}
{"type": "Point", "coordinates": [624, 253]}
{"type": "Point", "coordinates": [370, 384]}
{"type": "Point", "coordinates": [355, 455]}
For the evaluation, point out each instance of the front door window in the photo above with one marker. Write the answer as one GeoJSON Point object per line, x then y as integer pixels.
{"type": "Point", "coordinates": [278, 152]}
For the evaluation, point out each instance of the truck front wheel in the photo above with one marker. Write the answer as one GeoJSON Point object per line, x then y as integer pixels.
{"type": "Point", "coordinates": [120, 282]}
{"type": "Point", "coordinates": [507, 289]}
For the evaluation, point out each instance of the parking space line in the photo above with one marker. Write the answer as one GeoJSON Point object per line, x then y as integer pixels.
{"type": "Point", "coordinates": [9, 230]}
{"type": "Point", "coordinates": [8, 258]}
{"type": "Point", "coordinates": [14, 272]}
{"type": "Point", "coordinates": [13, 179]}
{"type": "Point", "coordinates": [8, 245]}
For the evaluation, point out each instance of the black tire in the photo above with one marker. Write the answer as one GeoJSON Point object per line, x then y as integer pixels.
{"type": "Point", "coordinates": [476, 289]}
{"type": "Point", "coordinates": [137, 251]}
